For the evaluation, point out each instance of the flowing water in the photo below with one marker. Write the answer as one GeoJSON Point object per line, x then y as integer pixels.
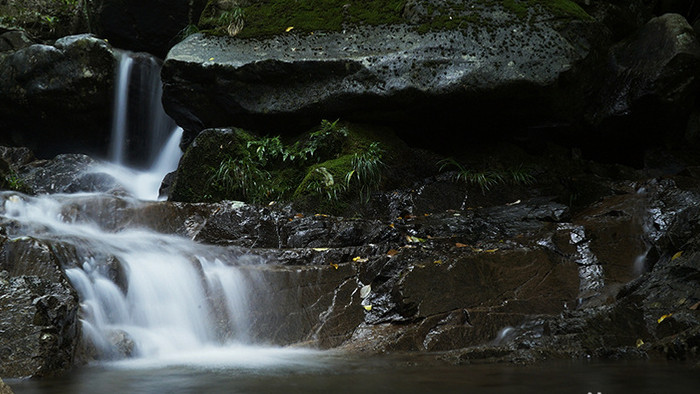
{"type": "Point", "coordinates": [162, 313]}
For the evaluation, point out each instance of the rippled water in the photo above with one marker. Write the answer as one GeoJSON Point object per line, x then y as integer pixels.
{"type": "Point", "coordinates": [261, 370]}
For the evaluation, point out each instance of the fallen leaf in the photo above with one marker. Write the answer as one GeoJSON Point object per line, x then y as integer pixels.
{"type": "Point", "coordinates": [399, 218]}
{"type": "Point", "coordinates": [320, 249]}
{"type": "Point", "coordinates": [677, 255]}
{"type": "Point", "coordinates": [392, 225]}
{"type": "Point", "coordinates": [412, 239]}
{"type": "Point", "coordinates": [640, 343]}
{"type": "Point", "coordinates": [695, 306]}
{"type": "Point", "coordinates": [299, 215]}
{"type": "Point", "coordinates": [392, 252]}
{"type": "Point", "coordinates": [491, 250]}
{"type": "Point", "coordinates": [367, 307]}
{"type": "Point", "coordinates": [664, 317]}
{"type": "Point", "coordinates": [477, 250]}
{"type": "Point", "coordinates": [334, 265]}
{"type": "Point", "coordinates": [365, 290]}
{"type": "Point", "coordinates": [513, 203]}
{"type": "Point", "coordinates": [287, 30]}
{"type": "Point", "coordinates": [461, 245]}
{"type": "Point", "coordinates": [438, 262]}
{"type": "Point", "coordinates": [359, 259]}
{"type": "Point", "coordinates": [211, 59]}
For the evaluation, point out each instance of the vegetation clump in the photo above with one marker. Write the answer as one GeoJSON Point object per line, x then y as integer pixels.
{"type": "Point", "coordinates": [323, 168]}
{"type": "Point", "coordinates": [489, 177]}
{"type": "Point", "coordinates": [47, 18]}
{"type": "Point", "coordinates": [272, 17]}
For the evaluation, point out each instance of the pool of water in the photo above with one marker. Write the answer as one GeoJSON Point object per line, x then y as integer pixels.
{"type": "Point", "coordinates": [268, 370]}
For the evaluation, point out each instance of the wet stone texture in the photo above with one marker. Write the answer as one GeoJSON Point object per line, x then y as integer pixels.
{"type": "Point", "coordinates": [39, 329]}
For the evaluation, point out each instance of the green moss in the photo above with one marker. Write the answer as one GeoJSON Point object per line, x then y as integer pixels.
{"type": "Point", "coordinates": [565, 9]}
{"type": "Point", "coordinates": [322, 170]}
{"type": "Point", "coordinates": [271, 17]}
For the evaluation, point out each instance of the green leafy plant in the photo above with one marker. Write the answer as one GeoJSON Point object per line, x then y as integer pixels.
{"type": "Point", "coordinates": [486, 179]}
{"type": "Point", "coordinates": [242, 178]}
{"type": "Point", "coordinates": [13, 181]}
{"type": "Point", "coordinates": [188, 31]}
{"type": "Point", "coordinates": [366, 170]}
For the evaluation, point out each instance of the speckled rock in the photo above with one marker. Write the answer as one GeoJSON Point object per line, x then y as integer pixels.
{"type": "Point", "coordinates": [396, 73]}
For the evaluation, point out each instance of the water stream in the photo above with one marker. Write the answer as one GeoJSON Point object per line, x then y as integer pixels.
{"type": "Point", "coordinates": [162, 313]}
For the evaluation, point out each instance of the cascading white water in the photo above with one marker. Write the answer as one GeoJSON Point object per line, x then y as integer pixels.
{"type": "Point", "coordinates": [161, 295]}
{"type": "Point", "coordinates": [119, 109]}
{"type": "Point", "coordinates": [163, 136]}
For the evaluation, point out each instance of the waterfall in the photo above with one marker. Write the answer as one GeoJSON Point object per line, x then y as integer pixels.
{"type": "Point", "coordinates": [143, 294]}
{"type": "Point", "coordinates": [145, 140]}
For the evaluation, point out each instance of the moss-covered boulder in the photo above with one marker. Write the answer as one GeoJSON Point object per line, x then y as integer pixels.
{"type": "Point", "coordinates": [327, 169]}
{"type": "Point", "coordinates": [451, 66]}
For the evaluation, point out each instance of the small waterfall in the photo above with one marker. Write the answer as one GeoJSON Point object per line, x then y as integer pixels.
{"type": "Point", "coordinates": [119, 109]}
{"type": "Point", "coordinates": [145, 140]}
{"type": "Point", "coordinates": [143, 294]}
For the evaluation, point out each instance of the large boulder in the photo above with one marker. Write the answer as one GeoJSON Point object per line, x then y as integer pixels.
{"type": "Point", "coordinates": [146, 26]}
{"type": "Point", "coordinates": [433, 63]}
{"type": "Point", "coordinates": [647, 91]}
{"type": "Point", "coordinates": [57, 98]}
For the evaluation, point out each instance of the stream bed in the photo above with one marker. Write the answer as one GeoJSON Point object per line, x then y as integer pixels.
{"type": "Point", "coordinates": [262, 370]}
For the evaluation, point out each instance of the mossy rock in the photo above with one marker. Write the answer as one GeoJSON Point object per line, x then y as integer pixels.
{"type": "Point", "coordinates": [192, 181]}
{"type": "Point", "coordinates": [314, 170]}
{"type": "Point", "coordinates": [273, 17]}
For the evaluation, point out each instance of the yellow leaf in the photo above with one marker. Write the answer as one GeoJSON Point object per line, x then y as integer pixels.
{"type": "Point", "coordinates": [367, 307]}
{"type": "Point", "coordinates": [664, 317]}
{"type": "Point", "coordinates": [640, 343]}
{"type": "Point", "coordinates": [460, 245]}
{"type": "Point", "coordinates": [319, 249]}
{"type": "Point", "coordinates": [211, 59]}
{"type": "Point", "coordinates": [412, 239]}
{"type": "Point", "coordinates": [438, 262]}
{"type": "Point", "coordinates": [477, 250]}
{"type": "Point", "coordinates": [287, 30]}
{"type": "Point", "coordinates": [359, 259]}
{"type": "Point", "coordinates": [491, 250]}
{"type": "Point", "coordinates": [334, 265]}
{"type": "Point", "coordinates": [677, 255]}
{"type": "Point", "coordinates": [392, 225]}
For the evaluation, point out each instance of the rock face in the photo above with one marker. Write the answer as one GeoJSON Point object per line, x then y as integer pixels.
{"type": "Point", "coordinates": [39, 328]}
{"type": "Point", "coordinates": [57, 98]}
{"type": "Point", "coordinates": [401, 73]}
{"type": "Point", "coordinates": [647, 90]}
{"type": "Point", "coordinates": [146, 26]}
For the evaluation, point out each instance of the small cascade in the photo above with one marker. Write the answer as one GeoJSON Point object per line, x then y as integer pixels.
{"type": "Point", "coordinates": [145, 140]}
{"type": "Point", "coordinates": [143, 294]}
{"type": "Point", "coordinates": [119, 109]}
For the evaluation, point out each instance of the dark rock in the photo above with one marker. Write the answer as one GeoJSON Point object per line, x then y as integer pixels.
{"type": "Point", "coordinates": [39, 326]}
{"type": "Point", "coordinates": [649, 91]}
{"type": "Point", "coordinates": [146, 26]}
{"type": "Point", "coordinates": [14, 40]}
{"type": "Point", "coordinates": [57, 99]}
{"type": "Point", "coordinates": [69, 173]}
{"type": "Point", "coordinates": [383, 73]}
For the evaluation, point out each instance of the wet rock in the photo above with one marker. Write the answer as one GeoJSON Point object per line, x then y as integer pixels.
{"type": "Point", "coordinates": [146, 26]}
{"type": "Point", "coordinates": [66, 173]}
{"type": "Point", "coordinates": [39, 327]}
{"type": "Point", "coordinates": [376, 73]}
{"type": "Point", "coordinates": [57, 98]}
